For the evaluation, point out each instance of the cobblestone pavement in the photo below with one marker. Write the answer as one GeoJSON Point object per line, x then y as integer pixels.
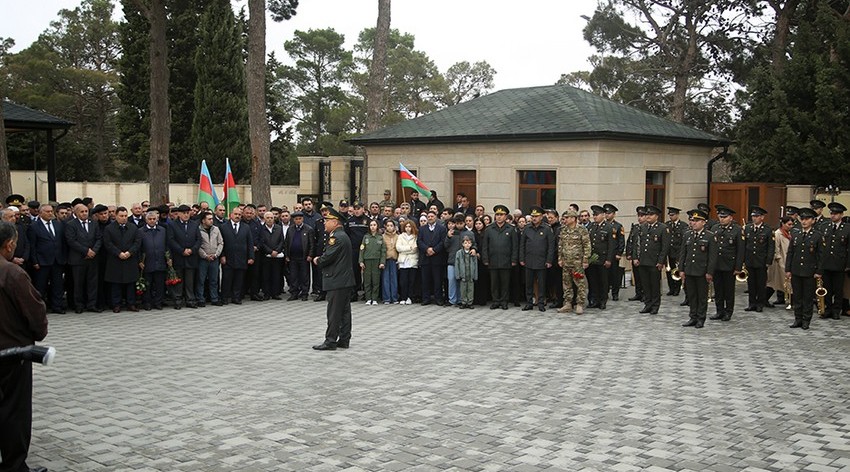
{"type": "Point", "coordinates": [432, 388]}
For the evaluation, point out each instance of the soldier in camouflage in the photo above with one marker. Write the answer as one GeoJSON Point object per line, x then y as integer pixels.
{"type": "Point", "coordinates": [573, 258]}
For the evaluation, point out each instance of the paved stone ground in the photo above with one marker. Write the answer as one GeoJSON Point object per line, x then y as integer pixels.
{"type": "Point", "coordinates": [431, 388]}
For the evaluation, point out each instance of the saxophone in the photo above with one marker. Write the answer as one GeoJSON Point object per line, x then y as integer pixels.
{"type": "Point", "coordinates": [787, 286]}
{"type": "Point", "coordinates": [821, 292]}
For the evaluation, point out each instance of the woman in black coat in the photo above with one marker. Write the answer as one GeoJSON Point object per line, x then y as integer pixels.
{"type": "Point", "coordinates": [482, 285]}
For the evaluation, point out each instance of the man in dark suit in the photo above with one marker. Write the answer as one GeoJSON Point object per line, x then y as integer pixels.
{"type": "Point", "coordinates": [652, 257]}
{"type": "Point", "coordinates": [237, 256]}
{"type": "Point", "coordinates": [272, 248]}
{"type": "Point", "coordinates": [253, 275]}
{"type": "Point", "coordinates": [337, 280]}
{"type": "Point", "coordinates": [536, 254]}
{"type": "Point", "coordinates": [121, 246]}
{"type": "Point", "coordinates": [154, 265]}
{"type": "Point", "coordinates": [184, 239]}
{"type": "Point", "coordinates": [300, 248]}
{"type": "Point", "coordinates": [432, 259]}
{"type": "Point", "coordinates": [84, 243]}
{"type": "Point", "coordinates": [48, 254]}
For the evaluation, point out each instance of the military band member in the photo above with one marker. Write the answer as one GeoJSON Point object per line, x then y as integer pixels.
{"type": "Point", "coordinates": [791, 211]}
{"type": "Point", "coordinates": [710, 222]}
{"type": "Point", "coordinates": [730, 257]}
{"type": "Point", "coordinates": [836, 259]}
{"type": "Point", "coordinates": [554, 278]}
{"type": "Point", "coordinates": [632, 245]}
{"type": "Point", "coordinates": [499, 252]}
{"type": "Point", "coordinates": [759, 248]}
{"type": "Point", "coordinates": [615, 273]}
{"type": "Point", "coordinates": [678, 229]}
{"type": "Point", "coordinates": [696, 262]}
{"type": "Point", "coordinates": [356, 228]}
{"type": "Point", "coordinates": [573, 258]}
{"type": "Point", "coordinates": [337, 281]}
{"type": "Point", "coordinates": [603, 244]}
{"type": "Point", "coordinates": [820, 221]}
{"type": "Point", "coordinates": [536, 254]}
{"type": "Point", "coordinates": [803, 265]}
{"type": "Point", "coordinates": [652, 258]}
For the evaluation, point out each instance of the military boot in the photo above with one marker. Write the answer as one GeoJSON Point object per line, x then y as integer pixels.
{"type": "Point", "coordinates": [566, 308]}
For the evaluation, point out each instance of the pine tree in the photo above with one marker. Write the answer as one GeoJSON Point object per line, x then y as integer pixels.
{"type": "Point", "coordinates": [220, 123]}
{"type": "Point", "coordinates": [133, 118]}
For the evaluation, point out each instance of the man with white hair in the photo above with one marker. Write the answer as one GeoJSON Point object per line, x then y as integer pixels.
{"type": "Point", "coordinates": [84, 242]}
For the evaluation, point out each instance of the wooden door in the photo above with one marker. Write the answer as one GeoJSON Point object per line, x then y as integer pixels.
{"type": "Point", "coordinates": [462, 181]}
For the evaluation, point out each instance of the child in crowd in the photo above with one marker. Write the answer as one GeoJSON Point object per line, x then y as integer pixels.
{"type": "Point", "coordinates": [466, 271]}
{"type": "Point", "coordinates": [389, 279]}
{"type": "Point", "coordinates": [373, 253]}
{"type": "Point", "coordinates": [408, 261]}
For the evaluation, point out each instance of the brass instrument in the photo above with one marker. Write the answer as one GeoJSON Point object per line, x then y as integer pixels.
{"type": "Point", "coordinates": [787, 287]}
{"type": "Point", "coordinates": [743, 275]}
{"type": "Point", "coordinates": [675, 275]}
{"type": "Point", "coordinates": [711, 292]}
{"type": "Point", "coordinates": [821, 292]}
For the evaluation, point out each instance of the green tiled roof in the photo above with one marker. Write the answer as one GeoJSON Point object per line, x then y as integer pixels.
{"type": "Point", "coordinates": [554, 113]}
{"type": "Point", "coordinates": [19, 116]}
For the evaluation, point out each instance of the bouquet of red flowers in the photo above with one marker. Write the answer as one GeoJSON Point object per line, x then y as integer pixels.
{"type": "Point", "coordinates": [171, 276]}
{"type": "Point", "coordinates": [141, 286]}
{"type": "Point", "coordinates": [578, 275]}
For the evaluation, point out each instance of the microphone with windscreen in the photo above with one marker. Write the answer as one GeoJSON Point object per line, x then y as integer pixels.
{"type": "Point", "coordinates": [32, 353]}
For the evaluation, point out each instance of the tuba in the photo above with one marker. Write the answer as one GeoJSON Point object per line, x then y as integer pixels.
{"type": "Point", "coordinates": [821, 292]}
{"type": "Point", "coordinates": [674, 272]}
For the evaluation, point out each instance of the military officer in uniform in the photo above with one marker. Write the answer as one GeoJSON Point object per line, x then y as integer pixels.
{"type": "Point", "coordinates": [632, 245]}
{"type": "Point", "coordinates": [536, 254]}
{"type": "Point", "coordinates": [499, 253]}
{"type": "Point", "coordinates": [710, 222]}
{"type": "Point", "coordinates": [337, 281]}
{"type": "Point", "coordinates": [803, 266]}
{"type": "Point", "coordinates": [836, 259]}
{"type": "Point", "coordinates": [574, 258]}
{"type": "Point", "coordinates": [696, 262]}
{"type": "Point", "coordinates": [759, 249]}
{"type": "Point", "coordinates": [651, 258]}
{"type": "Point", "coordinates": [730, 257]}
{"type": "Point", "coordinates": [615, 273]}
{"type": "Point", "coordinates": [792, 212]}
{"type": "Point", "coordinates": [820, 221]}
{"type": "Point", "coordinates": [357, 227]}
{"type": "Point", "coordinates": [603, 244]}
{"type": "Point", "coordinates": [678, 229]}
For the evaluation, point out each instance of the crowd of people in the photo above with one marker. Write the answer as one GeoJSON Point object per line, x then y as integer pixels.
{"type": "Point", "coordinates": [87, 256]}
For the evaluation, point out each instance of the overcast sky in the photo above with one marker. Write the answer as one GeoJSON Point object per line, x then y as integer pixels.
{"type": "Point", "coordinates": [528, 43]}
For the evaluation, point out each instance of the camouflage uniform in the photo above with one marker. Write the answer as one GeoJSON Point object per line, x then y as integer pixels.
{"type": "Point", "coordinates": [573, 252]}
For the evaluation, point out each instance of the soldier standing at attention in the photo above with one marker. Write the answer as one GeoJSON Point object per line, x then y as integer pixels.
{"type": "Point", "coordinates": [536, 254]}
{"type": "Point", "coordinates": [574, 258]}
{"type": "Point", "coordinates": [632, 246]}
{"type": "Point", "coordinates": [697, 259]}
{"type": "Point", "coordinates": [653, 249]}
{"type": "Point", "coordinates": [678, 229]}
{"type": "Point", "coordinates": [803, 265]}
{"type": "Point", "coordinates": [603, 244]}
{"type": "Point", "coordinates": [821, 222]}
{"type": "Point", "coordinates": [615, 273]}
{"type": "Point", "coordinates": [836, 259]}
{"type": "Point", "coordinates": [499, 252]}
{"type": "Point", "coordinates": [337, 281]}
{"type": "Point", "coordinates": [730, 256]}
{"type": "Point", "coordinates": [710, 223]}
{"type": "Point", "coordinates": [759, 248]}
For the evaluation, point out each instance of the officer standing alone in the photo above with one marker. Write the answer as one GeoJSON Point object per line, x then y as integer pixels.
{"type": "Point", "coordinates": [337, 282]}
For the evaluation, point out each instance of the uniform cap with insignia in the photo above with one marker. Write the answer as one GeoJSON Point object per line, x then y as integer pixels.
{"type": "Point", "coordinates": [343, 203]}
{"type": "Point", "coordinates": [815, 204]}
{"type": "Point", "coordinates": [836, 207]}
{"type": "Point", "coordinates": [704, 207]}
{"type": "Point", "coordinates": [723, 210]}
{"type": "Point", "coordinates": [536, 211]}
{"type": "Point", "coordinates": [15, 200]}
{"type": "Point", "coordinates": [357, 204]}
{"type": "Point", "coordinates": [500, 210]}
{"type": "Point", "coordinates": [610, 208]}
{"type": "Point", "coordinates": [299, 214]}
{"type": "Point", "coordinates": [640, 210]}
{"type": "Point", "coordinates": [596, 209]}
{"type": "Point", "coordinates": [806, 213]}
{"type": "Point", "coordinates": [325, 205]}
{"type": "Point", "coordinates": [99, 208]}
{"type": "Point", "coordinates": [697, 214]}
{"type": "Point", "coordinates": [333, 214]}
{"type": "Point", "coordinates": [652, 210]}
{"type": "Point", "coordinates": [571, 213]}
{"type": "Point", "coordinates": [757, 211]}
{"type": "Point", "coordinates": [676, 211]}
{"type": "Point", "coordinates": [791, 210]}
{"type": "Point", "coordinates": [387, 192]}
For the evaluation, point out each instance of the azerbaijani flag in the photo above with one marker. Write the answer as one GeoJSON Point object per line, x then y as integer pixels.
{"type": "Point", "coordinates": [411, 181]}
{"type": "Point", "coordinates": [206, 191]}
{"type": "Point", "coordinates": [231, 197]}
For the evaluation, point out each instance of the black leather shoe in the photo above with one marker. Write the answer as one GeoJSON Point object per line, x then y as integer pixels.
{"type": "Point", "coordinates": [836, 316]}
{"type": "Point", "coordinates": [304, 298]}
{"type": "Point", "coordinates": [654, 311]}
{"type": "Point", "coordinates": [542, 308]}
{"type": "Point", "coordinates": [217, 303]}
{"type": "Point", "coordinates": [699, 325]}
{"type": "Point", "coordinates": [684, 303]}
{"type": "Point", "coordinates": [237, 302]}
{"type": "Point", "coordinates": [78, 311]}
{"type": "Point", "coordinates": [342, 344]}
{"type": "Point", "coordinates": [441, 303]}
{"type": "Point", "coordinates": [602, 306]}
{"type": "Point", "coordinates": [635, 298]}
{"type": "Point", "coordinates": [592, 305]}
{"type": "Point", "coordinates": [256, 298]}
{"type": "Point", "coordinates": [805, 325]}
{"type": "Point", "coordinates": [325, 346]}
{"type": "Point", "coordinates": [96, 310]}
{"type": "Point", "coordinates": [426, 302]}
{"type": "Point", "coordinates": [796, 324]}
{"type": "Point", "coordinates": [177, 307]}
{"type": "Point", "coordinates": [768, 305]}
{"type": "Point", "coordinates": [292, 298]}
{"type": "Point", "coordinates": [494, 306]}
{"type": "Point", "coordinates": [670, 293]}
{"type": "Point", "coordinates": [320, 297]}
{"type": "Point", "coordinates": [615, 298]}
{"type": "Point", "coordinates": [715, 317]}
{"type": "Point", "coordinates": [759, 309]}
{"type": "Point", "coordinates": [750, 308]}
{"type": "Point", "coordinates": [689, 323]}
{"type": "Point", "coordinates": [527, 307]}
{"type": "Point", "coordinates": [504, 306]}
{"type": "Point", "coordinates": [726, 318]}
{"type": "Point", "coordinates": [200, 305]}
{"type": "Point", "coordinates": [191, 305]}
{"type": "Point", "coordinates": [645, 310]}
